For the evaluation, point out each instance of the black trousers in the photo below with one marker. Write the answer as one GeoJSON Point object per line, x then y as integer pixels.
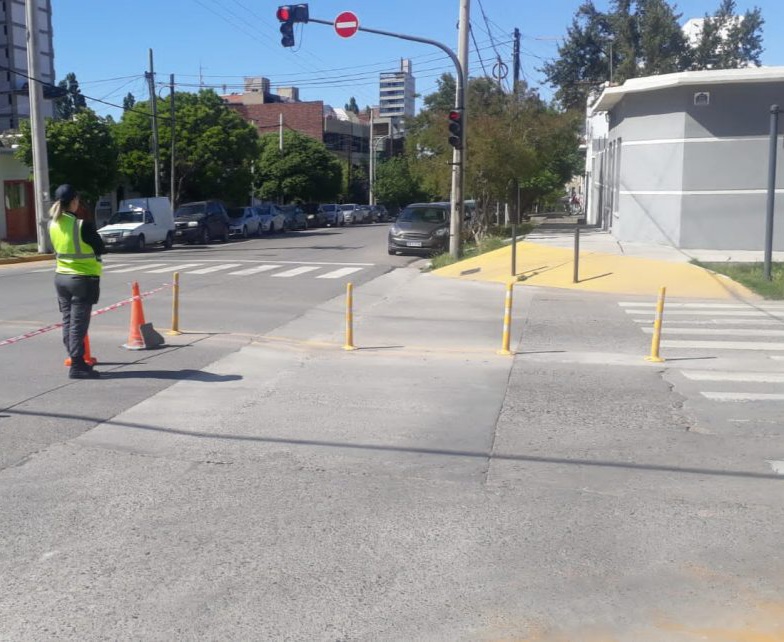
{"type": "Point", "coordinates": [76, 296]}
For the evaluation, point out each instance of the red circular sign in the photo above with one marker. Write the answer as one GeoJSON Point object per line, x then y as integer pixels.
{"type": "Point", "coordinates": [346, 24]}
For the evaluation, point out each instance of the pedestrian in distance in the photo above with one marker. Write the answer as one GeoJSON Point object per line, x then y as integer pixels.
{"type": "Point", "coordinates": [78, 248]}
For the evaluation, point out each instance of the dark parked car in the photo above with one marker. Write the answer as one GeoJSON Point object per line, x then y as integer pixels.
{"type": "Point", "coordinates": [316, 218]}
{"type": "Point", "coordinates": [333, 215]}
{"type": "Point", "coordinates": [296, 219]}
{"type": "Point", "coordinates": [200, 222]}
{"type": "Point", "coordinates": [421, 228]}
{"type": "Point", "coordinates": [380, 214]}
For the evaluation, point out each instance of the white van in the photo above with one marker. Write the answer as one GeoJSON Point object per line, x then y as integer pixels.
{"type": "Point", "coordinates": [139, 222]}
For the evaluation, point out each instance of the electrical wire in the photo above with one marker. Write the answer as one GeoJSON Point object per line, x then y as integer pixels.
{"type": "Point", "coordinates": [476, 47]}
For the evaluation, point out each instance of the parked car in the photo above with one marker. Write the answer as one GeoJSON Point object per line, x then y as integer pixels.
{"type": "Point", "coordinates": [244, 222]}
{"type": "Point", "coordinates": [349, 213]}
{"type": "Point", "coordinates": [139, 222]}
{"type": "Point", "coordinates": [380, 214]}
{"type": "Point", "coordinates": [272, 218]}
{"type": "Point", "coordinates": [421, 228]}
{"type": "Point", "coordinates": [296, 219]}
{"type": "Point", "coordinates": [200, 222]}
{"type": "Point", "coordinates": [333, 215]}
{"type": "Point", "coordinates": [315, 216]}
{"type": "Point", "coordinates": [364, 214]}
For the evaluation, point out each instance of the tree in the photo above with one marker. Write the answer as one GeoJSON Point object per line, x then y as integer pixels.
{"type": "Point", "coordinates": [81, 151]}
{"type": "Point", "coordinates": [304, 170]}
{"type": "Point", "coordinates": [215, 148]}
{"type": "Point", "coordinates": [351, 105]}
{"type": "Point", "coordinates": [73, 101]}
{"type": "Point", "coordinates": [395, 184]}
{"type": "Point", "coordinates": [643, 38]}
{"type": "Point", "coordinates": [129, 101]}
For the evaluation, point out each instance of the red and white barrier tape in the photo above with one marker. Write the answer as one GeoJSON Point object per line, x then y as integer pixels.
{"type": "Point", "coordinates": [55, 326]}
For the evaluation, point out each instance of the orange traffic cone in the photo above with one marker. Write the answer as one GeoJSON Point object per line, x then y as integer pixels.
{"type": "Point", "coordinates": [89, 359]}
{"type": "Point", "coordinates": [135, 341]}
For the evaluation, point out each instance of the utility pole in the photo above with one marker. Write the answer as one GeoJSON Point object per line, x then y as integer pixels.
{"type": "Point", "coordinates": [172, 187]}
{"type": "Point", "coordinates": [38, 128]}
{"type": "Point", "coordinates": [280, 132]}
{"type": "Point", "coordinates": [372, 169]}
{"type": "Point", "coordinates": [155, 151]}
{"type": "Point", "coordinates": [458, 155]}
{"type": "Point", "coordinates": [516, 61]}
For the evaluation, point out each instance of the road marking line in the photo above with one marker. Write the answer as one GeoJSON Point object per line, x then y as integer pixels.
{"type": "Point", "coordinates": [215, 268]}
{"type": "Point", "coordinates": [113, 266]}
{"type": "Point", "coordinates": [712, 306]}
{"type": "Point", "coordinates": [722, 345]}
{"type": "Point", "coordinates": [338, 274]}
{"type": "Point", "coordinates": [296, 271]}
{"type": "Point", "coordinates": [777, 357]}
{"type": "Point", "coordinates": [712, 313]}
{"type": "Point", "coordinates": [755, 322]}
{"type": "Point", "coordinates": [727, 332]}
{"type": "Point", "coordinates": [743, 396]}
{"type": "Point", "coordinates": [748, 377]}
{"type": "Point", "coordinates": [174, 268]}
{"type": "Point", "coordinates": [254, 270]}
{"type": "Point", "coordinates": [257, 261]}
{"type": "Point", "coordinates": [138, 268]}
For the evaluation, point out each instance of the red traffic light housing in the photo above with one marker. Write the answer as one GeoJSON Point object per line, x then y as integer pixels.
{"type": "Point", "coordinates": [288, 14]}
{"type": "Point", "coordinates": [456, 128]}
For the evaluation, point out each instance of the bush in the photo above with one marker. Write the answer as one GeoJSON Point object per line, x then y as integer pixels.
{"type": "Point", "coordinates": [8, 251]}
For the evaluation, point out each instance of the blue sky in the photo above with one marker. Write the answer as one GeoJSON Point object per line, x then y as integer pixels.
{"type": "Point", "coordinates": [105, 42]}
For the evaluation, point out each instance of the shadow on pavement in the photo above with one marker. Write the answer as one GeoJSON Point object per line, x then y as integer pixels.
{"type": "Point", "coordinates": [173, 375]}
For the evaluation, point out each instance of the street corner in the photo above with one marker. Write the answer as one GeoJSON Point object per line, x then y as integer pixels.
{"type": "Point", "coordinates": [544, 266]}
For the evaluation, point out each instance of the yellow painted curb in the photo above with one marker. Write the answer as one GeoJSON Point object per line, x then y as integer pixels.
{"type": "Point", "coordinates": [545, 266]}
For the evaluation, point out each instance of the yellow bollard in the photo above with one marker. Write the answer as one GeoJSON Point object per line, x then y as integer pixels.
{"type": "Point", "coordinates": [657, 325]}
{"type": "Point", "coordinates": [349, 345]}
{"type": "Point", "coordinates": [507, 322]}
{"type": "Point", "coordinates": [175, 326]}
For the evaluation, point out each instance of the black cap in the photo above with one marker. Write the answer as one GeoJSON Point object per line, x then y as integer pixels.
{"type": "Point", "coordinates": [65, 193]}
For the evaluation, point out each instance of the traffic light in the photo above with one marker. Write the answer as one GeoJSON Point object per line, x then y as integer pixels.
{"type": "Point", "coordinates": [456, 129]}
{"type": "Point", "coordinates": [288, 14]}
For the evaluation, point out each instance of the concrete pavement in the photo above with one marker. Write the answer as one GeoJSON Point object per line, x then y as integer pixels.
{"type": "Point", "coordinates": [546, 258]}
{"type": "Point", "coordinates": [419, 488]}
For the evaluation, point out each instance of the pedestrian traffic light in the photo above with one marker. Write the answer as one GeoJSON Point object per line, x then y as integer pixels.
{"type": "Point", "coordinates": [456, 128]}
{"type": "Point", "coordinates": [288, 14]}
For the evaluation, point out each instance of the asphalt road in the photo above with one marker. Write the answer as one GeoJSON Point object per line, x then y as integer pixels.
{"type": "Point", "coordinates": [230, 293]}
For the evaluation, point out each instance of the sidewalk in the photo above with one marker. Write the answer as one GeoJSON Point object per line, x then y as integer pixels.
{"type": "Point", "coordinates": [546, 258]}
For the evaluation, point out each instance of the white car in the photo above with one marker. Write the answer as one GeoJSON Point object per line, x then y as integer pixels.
{"type": "Point", "coordinates": [244, 222]}
{"type": "Point", "coordinates": [138, 223]}
{"type": "Point", "coordinates": [349, 213]}
{"type": "Point", "coordinates": [272, 218]}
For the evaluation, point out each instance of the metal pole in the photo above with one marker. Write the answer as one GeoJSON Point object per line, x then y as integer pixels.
{"type": "Point", "coordinates": [155, 149]}
{"type": "Point", "coordinates": [516, 60]}
{"type": "Point", "coordinates": [657, 326]}
{"type": "Point", "coordinates": [173, 183]}
{"type": "Point", "coordinates": [175, 325]}
{"type": "Point", "coordinates": [774, 134]}
{"type": "Point", "coordinates": [37, 129]}
{"type": "Point", "coordinates": [507, 333]}
{"type": "Point", "coordinates": [576, 275]}
{"type": "Point", "coordinates": [280, 131]}
{"type": "Point", "coordinates": [514, 250]}
{"type": "Point", "coordinates": [349, 344]}
{"type": "Point", "coordinates": [458, 155]}
{"type": "Point", "coordinates": [372, 169]}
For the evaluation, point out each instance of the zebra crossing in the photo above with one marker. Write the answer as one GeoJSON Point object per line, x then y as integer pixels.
{"type": "Point", "coordinates": [747, 341]}
{"type": "Point", "coordinates": [279, 270]}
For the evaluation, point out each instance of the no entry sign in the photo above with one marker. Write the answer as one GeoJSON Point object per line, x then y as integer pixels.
{"type": "Point", "coordinates": [346, 24]}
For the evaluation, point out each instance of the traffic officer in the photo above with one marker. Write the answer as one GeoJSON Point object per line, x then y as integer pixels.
{"type": "Point", "coordinates": [78, 248]}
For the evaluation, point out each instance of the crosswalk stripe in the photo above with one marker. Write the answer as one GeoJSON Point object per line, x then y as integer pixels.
{"type": "Point", "coordinates": [215, 268]}
{"type": "Point", "coordinates": [174, 268]}
{"type": "Point", "coordinates": [740, 377]}
{"type": "Point", "coordinates": [727, 332]}
{"type": "Point", "coordinates": [114, 266]}
{"type": "Point", "coordinates": [138, 268]}
{"type": "Point", "coordinates": [712, 313]}
{"type": "Point", "coordinates": [255, 270]}
{"type": "Point", "coordinates": [296, 271]}
{"type": "Point", "coordinates": [754, 322]}
{"type": "Point", "coordinates": [722, 345]}
{"type": "Point", "coordinates": [777, 357]}
{"type": "Point", "coordinates": [338, 274]}
{"type": "Point", "coordinates": [711, 306]}
{"type": "Point", "coordinates": [743, 396]}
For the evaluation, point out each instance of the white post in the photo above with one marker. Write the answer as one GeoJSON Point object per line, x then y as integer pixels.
{"type": "Point", "coordinates": [280, 132]}
{"type": "Point", "coordinates": [372, 171]}
{"type": "Point", "coordinates": [37, 128]}
{"type": "Point", "coordinates": [459, 155]}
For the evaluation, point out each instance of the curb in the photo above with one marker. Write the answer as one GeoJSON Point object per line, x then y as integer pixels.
{"type": "Point", "coordinates": [27, 259]}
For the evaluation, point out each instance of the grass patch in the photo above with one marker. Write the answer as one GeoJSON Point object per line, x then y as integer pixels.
{"type": "Point", "coordinates": [750, 275]}
{"type": "Point", "coordinates": [470, 250]}
{"type": "Point", "coordinates": [9, 251]}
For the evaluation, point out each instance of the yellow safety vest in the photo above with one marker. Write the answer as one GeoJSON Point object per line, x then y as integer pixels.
{"type": "Point", "coordinates": [74, 256]}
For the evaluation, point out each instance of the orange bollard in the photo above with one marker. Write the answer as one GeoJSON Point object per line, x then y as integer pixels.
{"type": "Point", "coordinates": [89, 359]}
{"type": "Point", "coordinates": [135, 341]}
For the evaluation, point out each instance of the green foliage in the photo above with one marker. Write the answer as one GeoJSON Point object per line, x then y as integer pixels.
{"type": "Point", "coordinates": [129, 101]}
{"type": "Point", "coordinates": [395, 183]}
{"type": "Point", "coordinates": [351, 105]}
{"type": "Point", "coordinates": [644, 38]}
{"type": "Point", "coordinates": [81, 151]}
{"type": "Point", "coordinates": [751, 275]}
{"type": "Point", "coordinates": [215, 148]}
{"type": "Point", "coordinates": [10, 251]}
{"type": "Point", "coordinates": [305, 170]}
{"type": "Point", "coordinates": [66, 106]}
